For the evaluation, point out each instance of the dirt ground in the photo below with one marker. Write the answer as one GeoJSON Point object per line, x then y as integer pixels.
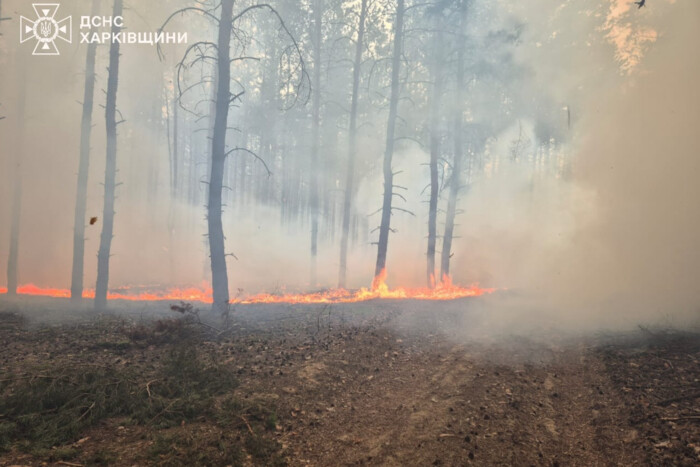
{"type": "Point", "coordinates": [371, 384]}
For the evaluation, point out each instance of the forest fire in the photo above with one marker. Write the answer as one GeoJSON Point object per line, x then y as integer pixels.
{"type": "Point", "coordinates": [444, 290]}
{"type": "Point", "coordinates": [379, 290]}
{"type": "Point", "coordinates": [122, 293]}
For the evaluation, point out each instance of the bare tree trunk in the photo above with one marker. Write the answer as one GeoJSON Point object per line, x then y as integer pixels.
{"type": "Point", "coordinates": [316, 135]}
{"type": "Point", "coordinates": [13, 253]}
{"type": "Point", "coordinates": [173, 147]}
{"type": "Point", "coordinates": [192, 180]}
{"type": "Point", "coordinates": [217, 253]}
{"type": "Point", "coordinates": [212, 118]}
{"type": "Point", "coordinates": [103, 253]}
{"type": "Point", "coordinates": [176, 149]}
{"type": "Point", "coordinates": [76, 287]}
{"type": "Point", "coordinates": [268, 137]}
{"type": "Point", "coordinates": [210, 149]}
{"type": "Point", "coordinates": [435, 104]}
{"type": "Point", "coordinates": [456, 177]}
{"type": "Point", "coordinates": [385, 225]}
{"type": "Point", "coordinates": [352, 148]}
{"type": "Point", "coordinates": [154, 162]}
{"type": "Point", "coordinates": [166, 107]}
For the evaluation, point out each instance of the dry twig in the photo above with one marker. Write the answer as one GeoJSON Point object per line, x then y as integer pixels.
{"type": "Point", "coordinates": [247, 424]}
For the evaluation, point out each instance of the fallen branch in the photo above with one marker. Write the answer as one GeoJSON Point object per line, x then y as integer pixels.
{"type": "Point", "coordinates": [162, 411]}
{"type": "Point", "coordinates": [685, 417]}
{"type": "Point", "coordinates": [694, 395]}
{"type": "Point", "coordinates": [86, 412]}
{"type": "Point", "coordinates": [148, 387]}
{"type": "Point", "coordinates": [247, 424]}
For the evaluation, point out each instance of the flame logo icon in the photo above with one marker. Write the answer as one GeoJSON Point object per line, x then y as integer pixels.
{"type": "Point", "coordinates": [45, 29]}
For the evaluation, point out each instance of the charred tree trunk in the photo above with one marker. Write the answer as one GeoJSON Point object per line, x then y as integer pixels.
{"type": "Point", "coordinates": [456, 177]}
{"type": "Point", "coordinates": [103, 253]}
{"type": "Point", "coordinates": [316, 135]}
{"type": "Point", "coordinates": [76, 287]}
{"type": "Point", "coordinates": [217, 253]}
{"type": "Point", "coordinates": [352, 148]}
{"type": "Point", "coordinates": [13, 251]}
{"type": "Point", "coordinates": [435, 102]}
{"type": "Point", "coordinates": [385, 225]}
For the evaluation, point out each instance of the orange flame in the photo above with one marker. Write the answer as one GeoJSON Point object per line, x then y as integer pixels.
{"type": "Point", "coordinates": [444, 290]}
{"type": "Point", "coordinates": [123, 293]}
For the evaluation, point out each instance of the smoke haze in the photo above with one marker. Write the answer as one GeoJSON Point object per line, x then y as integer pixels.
{"type": "Point", "coordinates": [601, 228]}
{"type": "Point", "coordinates": [618, 242]}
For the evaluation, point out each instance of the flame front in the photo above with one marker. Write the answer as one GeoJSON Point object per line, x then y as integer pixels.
{"type": "Point", "coordinates": [444, 290]}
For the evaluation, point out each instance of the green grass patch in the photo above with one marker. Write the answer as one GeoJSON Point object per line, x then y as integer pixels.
{"type": "Point", "coordinates": [180, 448]}
{"type": "Point", "coordinates": [49, 407]}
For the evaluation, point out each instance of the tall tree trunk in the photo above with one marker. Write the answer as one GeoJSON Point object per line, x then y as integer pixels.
{"type": "Point", "coordinates": [217, 253]}
{"type": "Point", "coordinates": [268, 137]}
{"type": "Point", "coordinates": [110, 168]}
{"type": "Point", "coordinates": [456, 178]}
{"type": "Point", "coordinates": [352, 148]}
{"type": "Point", "coordinates": [435, 107]}
{"type": "Point", "coordinates": [13, 252]}
{"type": "Point", "coordinates": [385, 225]}
{"type": "Point", "coordinates": [316, 135]}
{"type": "Point", "coordinates": [154, 162]}
{"type": "Point", "coordinates": [210, 150]}
{"type": "Point", "coordinates": [174, 162]}
{"type": "Point", "coordinates": [175, 182]}
{"type": "Point", "coordinates": [76, 287]}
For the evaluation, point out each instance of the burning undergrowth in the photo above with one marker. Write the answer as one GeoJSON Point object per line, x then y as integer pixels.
{"type": "Point", "coordinates": [444, 290]}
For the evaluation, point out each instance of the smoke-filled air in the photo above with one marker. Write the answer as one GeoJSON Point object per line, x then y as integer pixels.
{"type": "Point", "coordinates": [547, 151]}
{"type": "Point", "coordinates": [476, 172]}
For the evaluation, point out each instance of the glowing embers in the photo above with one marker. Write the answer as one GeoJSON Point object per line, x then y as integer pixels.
{"type": "Point", "coordinates": [444, 290]}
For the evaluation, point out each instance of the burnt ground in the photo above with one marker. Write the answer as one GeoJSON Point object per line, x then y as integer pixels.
{"type": "Point", "coordinates": [382, 383]}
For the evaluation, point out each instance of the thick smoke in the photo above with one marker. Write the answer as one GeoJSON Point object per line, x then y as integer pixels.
{"type": "Point", "coordinates": [639, 152]}
{"type": "Point", "coordinates": [617, 243]}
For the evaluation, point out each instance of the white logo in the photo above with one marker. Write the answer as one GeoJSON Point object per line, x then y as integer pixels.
{"type": "Point", "coordinates": [45, 29]}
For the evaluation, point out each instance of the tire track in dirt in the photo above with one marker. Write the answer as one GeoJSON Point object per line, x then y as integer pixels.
{"type": "Point", "coordinates": [439, 404]}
